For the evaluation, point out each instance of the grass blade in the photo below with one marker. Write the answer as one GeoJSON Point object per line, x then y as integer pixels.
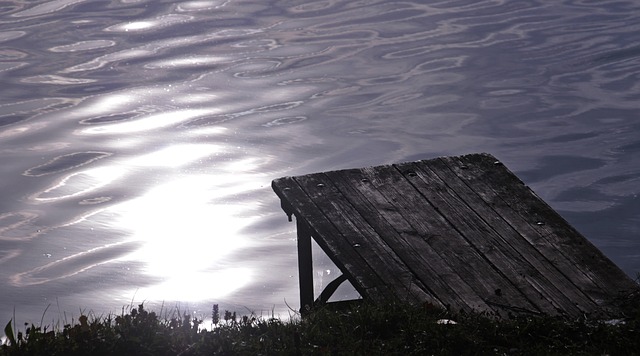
{"type": "Point", "coordinates": [8, 331]}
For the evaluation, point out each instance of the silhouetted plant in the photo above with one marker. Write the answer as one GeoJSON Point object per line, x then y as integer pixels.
{"type": "Point", "coordinates": [363, 328]}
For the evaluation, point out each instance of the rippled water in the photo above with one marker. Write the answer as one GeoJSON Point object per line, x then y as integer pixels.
{"type": "Point", "coordinates": [138, 139]}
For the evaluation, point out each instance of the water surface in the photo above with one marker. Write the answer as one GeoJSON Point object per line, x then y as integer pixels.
{"type": "Point", "coordinates": [138, 139]}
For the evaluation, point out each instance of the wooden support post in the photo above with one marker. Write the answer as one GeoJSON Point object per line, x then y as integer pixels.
{"type": "Point", "coordinates": [305, 266]}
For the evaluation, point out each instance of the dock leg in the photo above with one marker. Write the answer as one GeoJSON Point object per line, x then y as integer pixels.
{"type": "Point", "coordinates": [305, 266]}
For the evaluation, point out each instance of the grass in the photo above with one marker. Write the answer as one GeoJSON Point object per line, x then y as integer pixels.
{"type": "Point", "coordinates": [362, 329]}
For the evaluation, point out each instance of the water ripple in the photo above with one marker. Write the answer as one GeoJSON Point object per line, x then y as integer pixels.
{"type": "Point", "coordinates": [19, 226]}
{"type": "Point", "coordinates": [74, 264]}
{"type": "Point", "coordinates": [164, 122]}
{"type": "Point", "coordinates": [150, 24]}
{"type": "Point", "coordinates": [65, 162]}
{"type": "Point", "coordinates": [78, 184]}
{"type": "Point", "coordinates": [83, 46]}
{"type": "Point", "coordinates": [46, 8]}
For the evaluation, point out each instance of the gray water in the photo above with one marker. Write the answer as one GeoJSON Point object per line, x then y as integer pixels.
{"type": "Point", "coordinates": [138, 139]}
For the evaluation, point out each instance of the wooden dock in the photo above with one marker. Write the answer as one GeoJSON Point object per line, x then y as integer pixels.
{"type": "Point", "coordinates": [462, 233]}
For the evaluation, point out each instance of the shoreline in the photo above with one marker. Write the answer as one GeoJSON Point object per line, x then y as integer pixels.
{"type": "Point", "coordinates": [361, 328]}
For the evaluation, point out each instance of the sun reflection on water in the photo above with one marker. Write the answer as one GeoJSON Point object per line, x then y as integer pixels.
{"type": "Point", "coordinates": [79, 183]}
{"type": "Point", "coordinates": [196, 286]}
{"type": "Point", "coordinates": [189, 225]}
{"type": "Point", "coordinates": [183, 229]}
{"type": "Point", "coordinates": [186, 229]}
{"type": "Point", "coordinates": [149, 122]}
{"type": "Point", "coordinates": [176, 155]}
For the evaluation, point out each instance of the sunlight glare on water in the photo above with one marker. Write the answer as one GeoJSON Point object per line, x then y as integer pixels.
{"type": "Point", "coordinates": [80, 183]}
{"type": "Point", "coordinates": [184, 233]}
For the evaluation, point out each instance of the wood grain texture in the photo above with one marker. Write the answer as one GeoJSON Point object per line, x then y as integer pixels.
{"type": "Point", "coordinates": [458, 232]}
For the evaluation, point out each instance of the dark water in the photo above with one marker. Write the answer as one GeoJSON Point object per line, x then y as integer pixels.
{"type": "Point", "coordinates": [138, 139]}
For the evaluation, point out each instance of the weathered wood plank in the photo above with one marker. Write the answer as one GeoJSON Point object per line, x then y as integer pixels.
{"type": "Point", "coordinates": [529, 228]}
{"type": "Point", "coordinates": [513, 237]}
{"type": "Point", "coordinates": [343, 255]}
{"type": "Point", "coordinates": [357, 232]}
{"type": "Point", "coordinates": [426, 265]}
{"type": "Point", "coordinates": [593, 272]}
{"type": "Point", "coordinates": [527, 274]}
{"type": "Point", "coordinates": [446, 248]}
